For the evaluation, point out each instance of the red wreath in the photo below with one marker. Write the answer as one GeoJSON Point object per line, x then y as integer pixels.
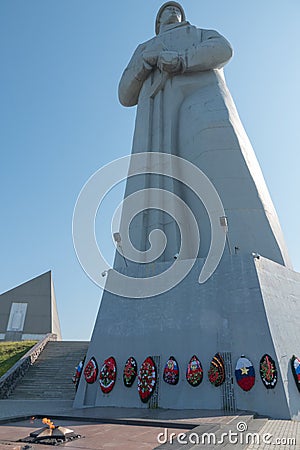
{"type": "Point", "coordinates": [108, 374]}
{"type": "Point", "coordinates": [147, 379]}
{"type": "Point", "coordinates": [91, 371]}
{"type": "Point", "coordinates": [130, 372]}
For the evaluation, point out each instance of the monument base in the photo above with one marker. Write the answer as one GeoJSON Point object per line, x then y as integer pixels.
{"type": "Point", "coordinates": [250, 306]}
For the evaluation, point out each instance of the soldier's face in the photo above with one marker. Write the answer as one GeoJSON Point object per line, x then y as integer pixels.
{"type": "Point", "coordinates": [171, 14]}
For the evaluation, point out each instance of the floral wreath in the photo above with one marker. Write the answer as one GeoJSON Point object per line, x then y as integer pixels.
{"type": "Point", "coordinates": [91, 371]}
{"type": "Point", "coordinates": [245, 373]}
{"type": "Point", "coordinates": [130, 371]}
{"type": "Point", "coordinates": [147, 379]}
{"type": "Point", "coordinates": [295, 363]}
{"type": "Point", "coordinates": [108, 374]}
{"type": "Point", "coordinates": [268, 371]}
{"type": "Point", "coordinates": [216, 373]}
{"type": "Point", "coordinates": [194, 372]}
{"type": "Point", "coordinates": [171, 371]}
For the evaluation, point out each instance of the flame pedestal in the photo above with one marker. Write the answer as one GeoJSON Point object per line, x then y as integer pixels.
{"type": "Point", "coordinates": [55, 436]}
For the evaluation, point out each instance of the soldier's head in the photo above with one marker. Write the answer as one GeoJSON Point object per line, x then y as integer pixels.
{"type": "Point", "coordinates": [170, 12]}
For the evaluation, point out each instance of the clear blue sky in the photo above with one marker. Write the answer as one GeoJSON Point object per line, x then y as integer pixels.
{"type": "Point", "coordinates": [60, 120]}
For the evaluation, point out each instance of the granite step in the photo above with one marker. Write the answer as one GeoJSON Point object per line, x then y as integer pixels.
{"type": "Point", "coordinates": [51, 375]}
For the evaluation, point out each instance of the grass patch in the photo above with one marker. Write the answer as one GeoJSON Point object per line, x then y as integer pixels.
{"type": "Point", "coordinates": [11, 352]}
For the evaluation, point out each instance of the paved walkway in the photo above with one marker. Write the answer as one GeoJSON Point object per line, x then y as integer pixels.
{"type": "Point", "coordinates": [278, 434]}
{"type": "Point", "coordinates": [95, 436]}
{"type": "Point", "coordinates": [103, 428]}
{"type": "Point", "coordinates": [63, 408]}
{"type": "Point", "coordinates": [138, 429]}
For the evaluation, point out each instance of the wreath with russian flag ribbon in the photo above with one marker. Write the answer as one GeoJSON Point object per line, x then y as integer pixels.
{"type": "Point", "coordinates": [295, 363]}
{"type": "Point", "coordinates": [245, 373]}
{"type": "Point", "coordinates": [171, 371]}
{"type": "Point", "coordinates": [194, 372]}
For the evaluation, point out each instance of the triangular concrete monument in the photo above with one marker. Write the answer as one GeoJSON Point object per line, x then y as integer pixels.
{"type": "Point", "coordinates": [246, 310]}
{"type": "Point", "coordinates": [29, 310]}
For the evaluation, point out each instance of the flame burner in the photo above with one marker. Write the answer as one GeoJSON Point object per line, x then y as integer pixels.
{"type": "Point", "coordinates": [55, 435]}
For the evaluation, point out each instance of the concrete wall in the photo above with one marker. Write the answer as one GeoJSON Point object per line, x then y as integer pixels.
{"type": "Point", "coordinates": [226, 314]}
{"type": "Point", "coordinates": [281, 295]}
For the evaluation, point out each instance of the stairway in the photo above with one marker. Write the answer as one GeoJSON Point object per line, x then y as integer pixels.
{"type": "Point", "coordinates": [51, 375]}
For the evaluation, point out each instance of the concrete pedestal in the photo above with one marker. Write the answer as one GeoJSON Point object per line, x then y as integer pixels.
{"type": "Point", "coordinates": [249, 306]}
